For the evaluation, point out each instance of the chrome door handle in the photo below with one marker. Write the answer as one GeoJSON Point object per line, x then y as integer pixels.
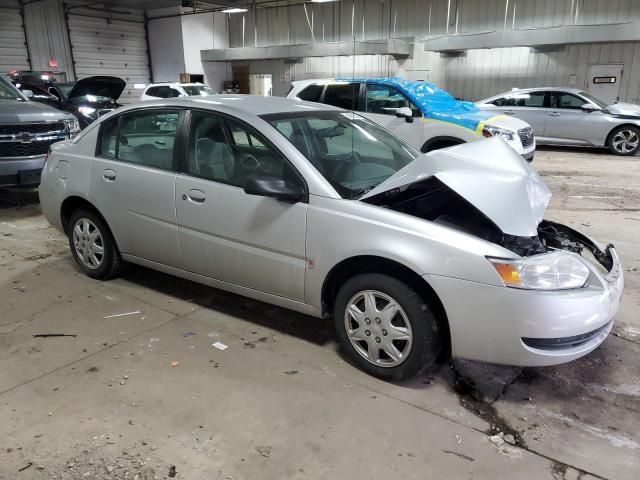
{"type": "Point", "coordinates": [196, 195]}
{"type": "Point", "coordinates": [554, 114]}
{"type": "Point", "coordinates": [109, 175]}
{"type": "Point", "coordinates": [509, 112]}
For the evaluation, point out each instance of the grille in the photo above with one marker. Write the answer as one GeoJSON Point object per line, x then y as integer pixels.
{"type": "Point", "coordinates": [526, 136]}
{"type": "Point", "coordinates": [31, 128]}
{"type": "Point", "coordinates": [21, 140]}
{"type": "Point", "coordinates": [17, 149]}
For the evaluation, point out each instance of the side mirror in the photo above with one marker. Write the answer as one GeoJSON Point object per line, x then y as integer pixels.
{"type": "Point", "coordinates": [28, 93]}
{"type": "Point", "coordinates": [589, 107]}
{"type": "Point", "coordinates": [406, 113]}
{"type": "Point", "coordinates": [275, 187]}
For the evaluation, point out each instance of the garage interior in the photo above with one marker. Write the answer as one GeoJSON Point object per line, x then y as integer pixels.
{"type": "Point", "coordinates": [132, 386]}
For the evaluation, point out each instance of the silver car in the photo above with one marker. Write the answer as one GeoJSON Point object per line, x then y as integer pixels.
{"type": "Point", "coordinates": [570, 116]}
{"type": "Point", "coordinates": [319, 210]}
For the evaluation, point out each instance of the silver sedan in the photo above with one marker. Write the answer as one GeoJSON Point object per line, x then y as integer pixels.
{"type": "Point", "coordinates": [319, 210]}
{"type": "Point", "coordinates": [570, 116]}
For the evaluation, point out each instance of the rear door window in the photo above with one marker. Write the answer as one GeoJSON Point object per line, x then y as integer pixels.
{"type": "Point", "coordinates": [524, 99]}
{"type": "Point", "coordinates": [311, 93]}
{"type": "Point", "coordinates": [108, 138]}
{"type": "Point", "coordinates": [343, 95]}
{"type": "Point", "coordinates": [144, 137]}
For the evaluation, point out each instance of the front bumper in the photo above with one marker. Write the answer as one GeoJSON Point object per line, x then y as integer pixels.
{"type": "Point", "coordinates": [23, 171]}
{"type": "Point", "coordinates": [529, 328]}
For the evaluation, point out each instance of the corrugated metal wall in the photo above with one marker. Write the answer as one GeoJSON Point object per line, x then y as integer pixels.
{"type": "Point", "coordinates": [110, 44]}
{"type": "Point", "coordinates": [473, 75]}
{"type": "Point", "coordinates": [481, 73]}
{"type": "Point", "coordinates": [13, 46]}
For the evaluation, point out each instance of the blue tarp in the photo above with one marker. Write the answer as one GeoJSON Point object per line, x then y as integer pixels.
{"type": "Point", "coordinates": [433, 102]}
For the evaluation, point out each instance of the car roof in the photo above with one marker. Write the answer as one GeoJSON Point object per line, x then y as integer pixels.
{"type": "Point", "coordinates": [540, 89]}
{"type": "Point", "coordinates": [162, 84]}
{"type": "Point", "coordinates": [251, 104]}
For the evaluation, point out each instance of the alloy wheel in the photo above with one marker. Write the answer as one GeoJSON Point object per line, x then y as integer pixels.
{"type": "Point", "coordinates": [378, 328]}
{"type": "Point", "coordinates": [625, 141]}
{"type": "Point", "coordinates": [88, 243]}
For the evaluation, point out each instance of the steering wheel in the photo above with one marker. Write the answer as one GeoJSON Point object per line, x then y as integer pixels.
{"type": "Point", "coordinates": [249, 162]}
{"type": "Point", "coordinates": [346, 163]}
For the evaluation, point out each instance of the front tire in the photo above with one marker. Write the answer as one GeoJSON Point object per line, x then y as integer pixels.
{"type": "Point", "coordinates": [624, 140]}
{"type": "Point", "coordinates": [93, 246]}
{"type": "Point", "coordinates": [386, 327]}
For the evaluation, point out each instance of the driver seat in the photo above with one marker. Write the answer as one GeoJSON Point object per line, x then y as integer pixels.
{"type": "Point", "coordinates": [214, 158]}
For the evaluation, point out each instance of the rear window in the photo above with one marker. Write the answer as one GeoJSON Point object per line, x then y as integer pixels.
{"type": "Point", "coordinates": [311, 93]}
{"type": "Point", "coordinates": [343, 95]}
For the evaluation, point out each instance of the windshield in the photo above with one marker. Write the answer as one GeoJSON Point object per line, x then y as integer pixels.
{"type": "Point", "coordinates": [353, 154]}
{"type": "Point", "coordinates": [201, 90]}
{"type": "Point", "coordinates": [593, 99]}
{"type": "Point", "coordinates": [8, 91]}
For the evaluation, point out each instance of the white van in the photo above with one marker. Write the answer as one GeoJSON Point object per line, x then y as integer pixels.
{"type": "Point", "coordinates": [422, 114]}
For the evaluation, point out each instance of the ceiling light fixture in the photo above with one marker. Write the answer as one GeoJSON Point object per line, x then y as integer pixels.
{"type": "Point", "coordinates": [235, 10]}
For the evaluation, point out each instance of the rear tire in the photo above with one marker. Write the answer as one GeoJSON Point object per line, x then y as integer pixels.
{"type": "Point", "coordinates": [93, 246]}
{"type": "Point", "coordinates": [624, 140]}
{"type": "Point", "coordinates": [392, 346]}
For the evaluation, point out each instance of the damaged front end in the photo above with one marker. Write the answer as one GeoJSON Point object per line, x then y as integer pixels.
{"type": "Point", "coordinates": [488, 191]}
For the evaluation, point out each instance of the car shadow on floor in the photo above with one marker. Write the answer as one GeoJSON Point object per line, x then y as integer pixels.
{"type": "Point", "coordinates": [311, 329]}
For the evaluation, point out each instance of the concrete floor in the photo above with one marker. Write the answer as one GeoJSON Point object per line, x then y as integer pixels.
{"type": "Point", "coordinates": [281, 401]}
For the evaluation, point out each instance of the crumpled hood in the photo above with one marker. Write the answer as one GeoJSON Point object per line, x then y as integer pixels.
{"type": "Point", "coordinates": [488, 174]}
{"type": "Point", "coordinates": [100, 86]}
{"type": "Point", "coordinates": [624, 109]}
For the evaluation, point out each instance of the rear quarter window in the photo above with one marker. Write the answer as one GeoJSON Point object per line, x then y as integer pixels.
{"type": "Point", "coordinates": [311, 93]}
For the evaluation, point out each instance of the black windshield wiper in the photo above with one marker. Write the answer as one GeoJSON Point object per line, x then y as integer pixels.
{"type": "Point", "coordinates": [363, 191]}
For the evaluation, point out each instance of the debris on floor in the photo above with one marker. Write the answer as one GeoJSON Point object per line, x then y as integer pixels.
{"type": "Point", "coordinates": [264, 451]}
{"type": "Point", "coordinates": [219, 346]}
{"type": "Point", "coordinates": [122, 314]}
{"type": "Point", "coordinates": [48, 335]}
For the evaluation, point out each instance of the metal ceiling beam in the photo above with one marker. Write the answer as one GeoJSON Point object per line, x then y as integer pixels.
{"type": "Point", "coordinates": [388, 46]}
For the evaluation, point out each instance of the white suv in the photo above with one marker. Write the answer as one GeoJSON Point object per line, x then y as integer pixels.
{"type": "Point", "coordinates": [154, 91]}
{"type": "Point", "coordinates": [422, 114]}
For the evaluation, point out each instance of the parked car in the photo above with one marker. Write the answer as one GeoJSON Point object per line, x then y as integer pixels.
{"type": "Point", "coordinates": [320, 210]}
{"type": "Point", "coordinates": [88, 98]}
{"type": "Point", "coordinates": [27, 130]}
{"type": "Point", "coordinates": [154, 91]}
{"type": "Point", "coordinates": [396, 104]}
{"type": "Point", "coordinates": [570, 116]}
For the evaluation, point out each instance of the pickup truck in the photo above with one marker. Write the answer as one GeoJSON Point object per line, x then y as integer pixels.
{"type": "Point", "coordinates": [27, 129]}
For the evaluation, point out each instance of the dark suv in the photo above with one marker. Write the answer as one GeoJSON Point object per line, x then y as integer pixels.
{"type": "Point", "coordinates": [27, 129]}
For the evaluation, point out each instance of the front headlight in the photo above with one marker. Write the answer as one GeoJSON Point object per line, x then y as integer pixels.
{"type": "Point", "coordinates": [489, 131]}
{"type": "Point", "coordinates": [72, 127]}
{"type": "Point", "coordinates": [550, 271]}
{"type": "Point", "coordinates": [87, 111]}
